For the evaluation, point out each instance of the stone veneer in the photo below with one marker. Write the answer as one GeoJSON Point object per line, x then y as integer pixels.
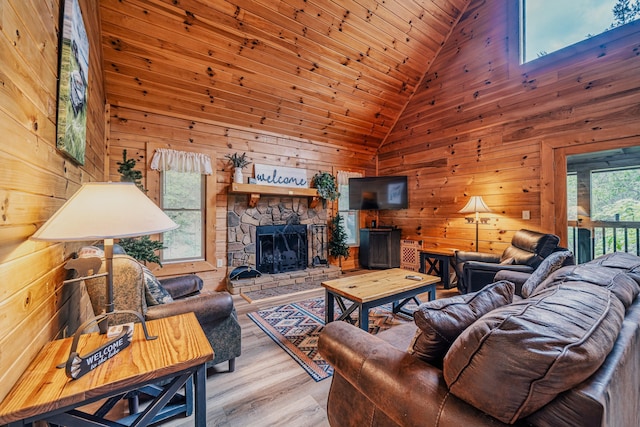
{"type": "Point", "coordinates": [242, 221]}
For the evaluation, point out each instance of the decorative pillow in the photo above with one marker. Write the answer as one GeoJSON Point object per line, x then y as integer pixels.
{"type": "Point", "coordinates": [507, 261]}
{"type": "Point", "coordinates": [441, 321]}
{"type": "Point", "coordinates": [539, 347]}
{"type": "Point", "coordinates": [548, 266]}
{"type": "Point", "coordinates": [154, 292]}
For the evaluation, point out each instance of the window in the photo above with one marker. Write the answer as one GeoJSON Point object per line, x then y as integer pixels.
{"type": "Point", "coordinates": [190, 199]}
{"type": "Point", "coordinates": [182, 199]}
{"type": "Point", "coordinates": [603, 202]}
{"type": "Point", "coordinates": [351, 217]}
{"type": "Point", "coordinates": [615, 195]}
{"type": "Point", "coordinates": [547, 26]}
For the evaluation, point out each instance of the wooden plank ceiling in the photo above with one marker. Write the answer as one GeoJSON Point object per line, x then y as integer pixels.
{"type": "Point", "coordinates": [334, 71]}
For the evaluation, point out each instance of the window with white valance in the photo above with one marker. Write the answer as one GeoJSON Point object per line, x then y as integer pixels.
{"type": "Point", "coordinates": [166, 159]}
{"type": "Point", "coordinates": [181, 178]}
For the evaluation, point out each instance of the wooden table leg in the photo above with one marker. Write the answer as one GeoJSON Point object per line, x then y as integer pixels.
{"type": "Point", "coordinates": [328, 307]}
{"type": "Point", "coordinates": [363, 316]}
{"type": "Point", "coordinates": [200, 388]}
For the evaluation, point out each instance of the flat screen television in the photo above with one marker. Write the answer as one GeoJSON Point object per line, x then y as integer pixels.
{"type": "Point", "coordinates": [378, 192]}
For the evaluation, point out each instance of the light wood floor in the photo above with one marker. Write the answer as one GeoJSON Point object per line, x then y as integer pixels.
{"type": "Point", "coordinates": [268, 388]}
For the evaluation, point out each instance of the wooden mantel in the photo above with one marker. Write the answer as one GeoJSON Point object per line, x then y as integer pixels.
{"type": "Point", "coordinates": [255, 191]}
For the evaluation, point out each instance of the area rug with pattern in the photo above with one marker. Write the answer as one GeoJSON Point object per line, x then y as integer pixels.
{"type": "Point", "coordinates": [295, 327]}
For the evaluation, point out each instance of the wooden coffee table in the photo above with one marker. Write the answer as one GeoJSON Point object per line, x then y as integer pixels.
{"type": "Point", "coordinates": [373, 289]}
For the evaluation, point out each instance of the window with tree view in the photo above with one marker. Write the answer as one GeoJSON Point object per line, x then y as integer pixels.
{"type": "Point", "coordinates": [603, 203]}
{"type": "Point", "coordinates": [182, 199]}
{"type": "Point", "coordinates": [547, 26]}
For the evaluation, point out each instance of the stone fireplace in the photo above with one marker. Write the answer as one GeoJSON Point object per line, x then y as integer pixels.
{"type": "Point", "coordinates": [279, 238]}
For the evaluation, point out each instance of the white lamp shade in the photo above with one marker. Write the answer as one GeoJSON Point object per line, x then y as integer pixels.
{"type": "Point", "coordinates": [105, 210]}
{"type": "Point", "coordinates": [475, 204]}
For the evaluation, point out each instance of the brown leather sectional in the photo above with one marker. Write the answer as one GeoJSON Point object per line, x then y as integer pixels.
{"type": "Point", "coordinates": [568, 355]}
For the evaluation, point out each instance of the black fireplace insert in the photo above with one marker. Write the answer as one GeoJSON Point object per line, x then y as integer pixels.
{"type": "Point", "coordinates": [281, 248]}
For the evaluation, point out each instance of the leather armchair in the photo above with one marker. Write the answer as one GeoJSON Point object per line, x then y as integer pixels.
{"type": "Point", "coordinates": [214, 310]}
{"type": "Point", "coordinates": [527, 250]}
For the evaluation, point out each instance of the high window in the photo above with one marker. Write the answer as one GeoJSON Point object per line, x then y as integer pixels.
{"type": "Point", "coordinates": [547, 26]}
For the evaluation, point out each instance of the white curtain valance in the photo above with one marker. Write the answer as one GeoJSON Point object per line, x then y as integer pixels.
{"type": "Point", "coordinates": [165, 159]}
{"type": "Point", "coordinates": [343, 177]}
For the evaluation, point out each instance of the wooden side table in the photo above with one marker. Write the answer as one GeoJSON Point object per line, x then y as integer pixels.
{"type": "Point", "coordinates": [437, 261]}
{"type": "Point", "coordinates": [179, 354]}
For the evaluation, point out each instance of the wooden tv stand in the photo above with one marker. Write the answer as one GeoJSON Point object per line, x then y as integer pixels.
{"type": "Point", "coordinates": [379, 247]}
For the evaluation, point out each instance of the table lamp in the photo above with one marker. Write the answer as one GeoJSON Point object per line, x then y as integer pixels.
{"type": "Point", "coordinates": [476, 205]}
{"type": "Point", "coordinates": [105, 210]}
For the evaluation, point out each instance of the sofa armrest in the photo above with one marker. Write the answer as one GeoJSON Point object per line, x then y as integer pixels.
{"type": "Point", "coordinates": [182, 286]}
{"type": "Point", "coordinates": [406, 389]}
{"type": "Point", "coordinates": [494, 268]}
{"type": "Point", "coordinates": [208, 307]}
{"type": "Point", "coordinates": [479, 274]}
{"type": "Point", "coordinates": [516, 277]}
{"type": "Point", "coordinates": [464, 256]}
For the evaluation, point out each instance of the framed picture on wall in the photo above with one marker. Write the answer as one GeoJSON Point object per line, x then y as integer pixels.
{"type": "Point", "coordinates": [73, 75]}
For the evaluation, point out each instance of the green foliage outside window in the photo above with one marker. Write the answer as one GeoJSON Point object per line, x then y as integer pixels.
{"type": "Point", "coordinates": [615, 198]}
{"type": "Point", "coordinates": [182, 200]}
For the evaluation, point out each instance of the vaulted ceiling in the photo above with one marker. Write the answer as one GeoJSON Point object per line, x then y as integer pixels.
{"type": "Point", "coordinates": [337, 71]}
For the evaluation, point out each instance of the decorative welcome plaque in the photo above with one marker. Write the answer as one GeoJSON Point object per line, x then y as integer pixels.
{"type": "Point", "coordinates": [77, 365]}
{"type": "Point", "coordinates": [281, 176]}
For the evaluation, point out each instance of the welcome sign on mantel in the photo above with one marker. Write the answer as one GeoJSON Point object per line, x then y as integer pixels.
{"type": "Point", "coordinates": [281, 176]}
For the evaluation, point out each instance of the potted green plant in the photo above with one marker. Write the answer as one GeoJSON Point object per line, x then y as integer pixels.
{"type": "Point", "coordinates": [327, 187]}
{"type": "Point", "coordinates": [338, 247]}
{"type": "Point", "coordinates": [128, 173]}
{"type": "Point", "coordinates": [239, 162]}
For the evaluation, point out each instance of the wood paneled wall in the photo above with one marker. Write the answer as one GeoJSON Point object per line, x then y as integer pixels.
{"type": "Point", "coordinates": [480, 124]}
{"type": "Point", "coordinates": [132, 129]}
{"type": "Point", "coordinates": [36, 179]}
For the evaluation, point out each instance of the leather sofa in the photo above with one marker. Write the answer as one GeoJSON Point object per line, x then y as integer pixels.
{"type": "Point", "coordinates": [552, 359]}
{"type": "Point", "coordinates": [214, 310]}
{"type": "Point", "coordinates": [527, 250]}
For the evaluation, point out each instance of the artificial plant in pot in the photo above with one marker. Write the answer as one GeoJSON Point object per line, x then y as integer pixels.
{"type": "Point", "coordinates": [141, 248]}
{"type": "Point", "coordinates": [327, 187]}
{"type": "Point", "coordinates": [338, 247]}
{"type": "Point", "coordinates": [128, 173]}
{"type": "Point", "coordinates": [239, 162]}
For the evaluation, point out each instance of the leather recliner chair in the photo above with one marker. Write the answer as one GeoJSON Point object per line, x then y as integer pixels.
{"type": "Point", "coordinates": [214, 310]}
{"type": "Point", "coordinates": [528, 248]}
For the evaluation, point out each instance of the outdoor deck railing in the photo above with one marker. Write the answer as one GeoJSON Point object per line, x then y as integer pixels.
{"type": "Point", "coordinates": [589, 241]}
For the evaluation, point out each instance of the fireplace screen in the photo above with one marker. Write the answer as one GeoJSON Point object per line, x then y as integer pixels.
{"type": "Point", "coordinates": [281, 248]}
